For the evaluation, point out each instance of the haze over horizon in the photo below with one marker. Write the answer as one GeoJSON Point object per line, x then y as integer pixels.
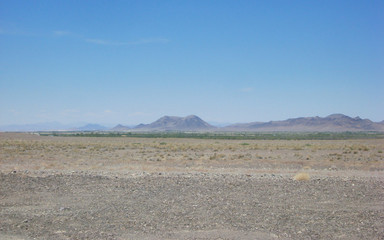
{"type": "Point", "coordinates": [133, 62]}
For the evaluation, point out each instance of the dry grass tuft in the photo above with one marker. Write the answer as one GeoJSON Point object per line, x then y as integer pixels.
{"type": "Point", "coordinates": [301, 177]}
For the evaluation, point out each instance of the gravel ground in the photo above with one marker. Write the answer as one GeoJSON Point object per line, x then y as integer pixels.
{"type": "Point", "coordinates": [85, 205]}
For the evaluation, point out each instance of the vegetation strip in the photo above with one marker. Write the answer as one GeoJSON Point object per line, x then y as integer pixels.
{"type": "Point", "coordinates": [227, 136]}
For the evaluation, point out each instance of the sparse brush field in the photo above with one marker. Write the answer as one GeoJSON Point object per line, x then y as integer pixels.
{"type": "Point", "coordinates": [30, 152]}
{"type": "Point", "coordinates": [183, 188]}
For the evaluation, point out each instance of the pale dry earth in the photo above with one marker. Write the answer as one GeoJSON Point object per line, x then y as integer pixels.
{"type": "Point", "coordinates": [131, 188]}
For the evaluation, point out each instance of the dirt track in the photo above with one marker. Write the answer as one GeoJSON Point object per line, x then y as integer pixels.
{"type": "Point", "coordinates": [236, 203]}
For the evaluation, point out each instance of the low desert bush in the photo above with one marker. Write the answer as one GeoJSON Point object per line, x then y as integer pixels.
{"type": "Point", "coordinates": [301, 177]}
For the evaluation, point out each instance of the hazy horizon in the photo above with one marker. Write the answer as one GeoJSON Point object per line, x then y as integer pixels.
{"type": "Point", "coordinates": [73, 125]}
{"type": "Point", "coordinates": [132, 62]}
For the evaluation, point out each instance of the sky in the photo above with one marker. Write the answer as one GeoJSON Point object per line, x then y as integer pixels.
{"type": "Point", "coordinates": [133, 62]}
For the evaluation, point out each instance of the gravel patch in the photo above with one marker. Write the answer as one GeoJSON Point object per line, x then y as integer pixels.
{"type": "Point", "coordinates": [139, 205]}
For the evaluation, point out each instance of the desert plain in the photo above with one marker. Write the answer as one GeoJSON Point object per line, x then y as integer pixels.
{"type": "Point", "coordinates": [172, 188]}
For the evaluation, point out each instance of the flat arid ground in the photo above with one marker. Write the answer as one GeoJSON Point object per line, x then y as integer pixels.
{"type": "Point", "coordinates": [162, 188]}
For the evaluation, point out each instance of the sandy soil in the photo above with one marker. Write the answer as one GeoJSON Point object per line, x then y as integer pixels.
{"type": "Point", "coordinates": [126, 188]}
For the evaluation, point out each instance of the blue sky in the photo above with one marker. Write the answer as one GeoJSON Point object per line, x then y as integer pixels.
{"type": "Point", "coordinates": [225, 61]}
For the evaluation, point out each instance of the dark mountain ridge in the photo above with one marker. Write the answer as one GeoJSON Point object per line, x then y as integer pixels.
{"type": "Point", "coordinates": [331, 123]}
{"type": "Point", "coordinates": [172, 123]}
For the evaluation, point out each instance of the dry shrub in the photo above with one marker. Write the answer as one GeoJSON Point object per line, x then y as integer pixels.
{"type": "Point", "coordinates": [301, 177]}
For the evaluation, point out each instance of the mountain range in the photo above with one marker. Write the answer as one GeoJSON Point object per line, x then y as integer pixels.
{"type": "Point", "coordinates": [331, 123]}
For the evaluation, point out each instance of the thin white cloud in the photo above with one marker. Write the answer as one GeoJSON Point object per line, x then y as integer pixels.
{"type": "Point", "coordinates": [61, 33]}
{"type": "Point", "coordinates": [64, 33]}
{"type": "Point", "coordinates": [116, 43]}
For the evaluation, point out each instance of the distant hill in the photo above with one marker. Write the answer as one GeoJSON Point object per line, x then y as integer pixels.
{"type": "Point", "coordinates": [46, 126]}
{"type": "Point", "coordinates": [331, 123]}
{"type": "Point", "coordinates": [120, 128]}
{"type": "Point", "coordinates": [171, 123]}
{"type": "Point", "coordinates": [52, 126]}
{"type": "Point", "coordinates": [91, 127]}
